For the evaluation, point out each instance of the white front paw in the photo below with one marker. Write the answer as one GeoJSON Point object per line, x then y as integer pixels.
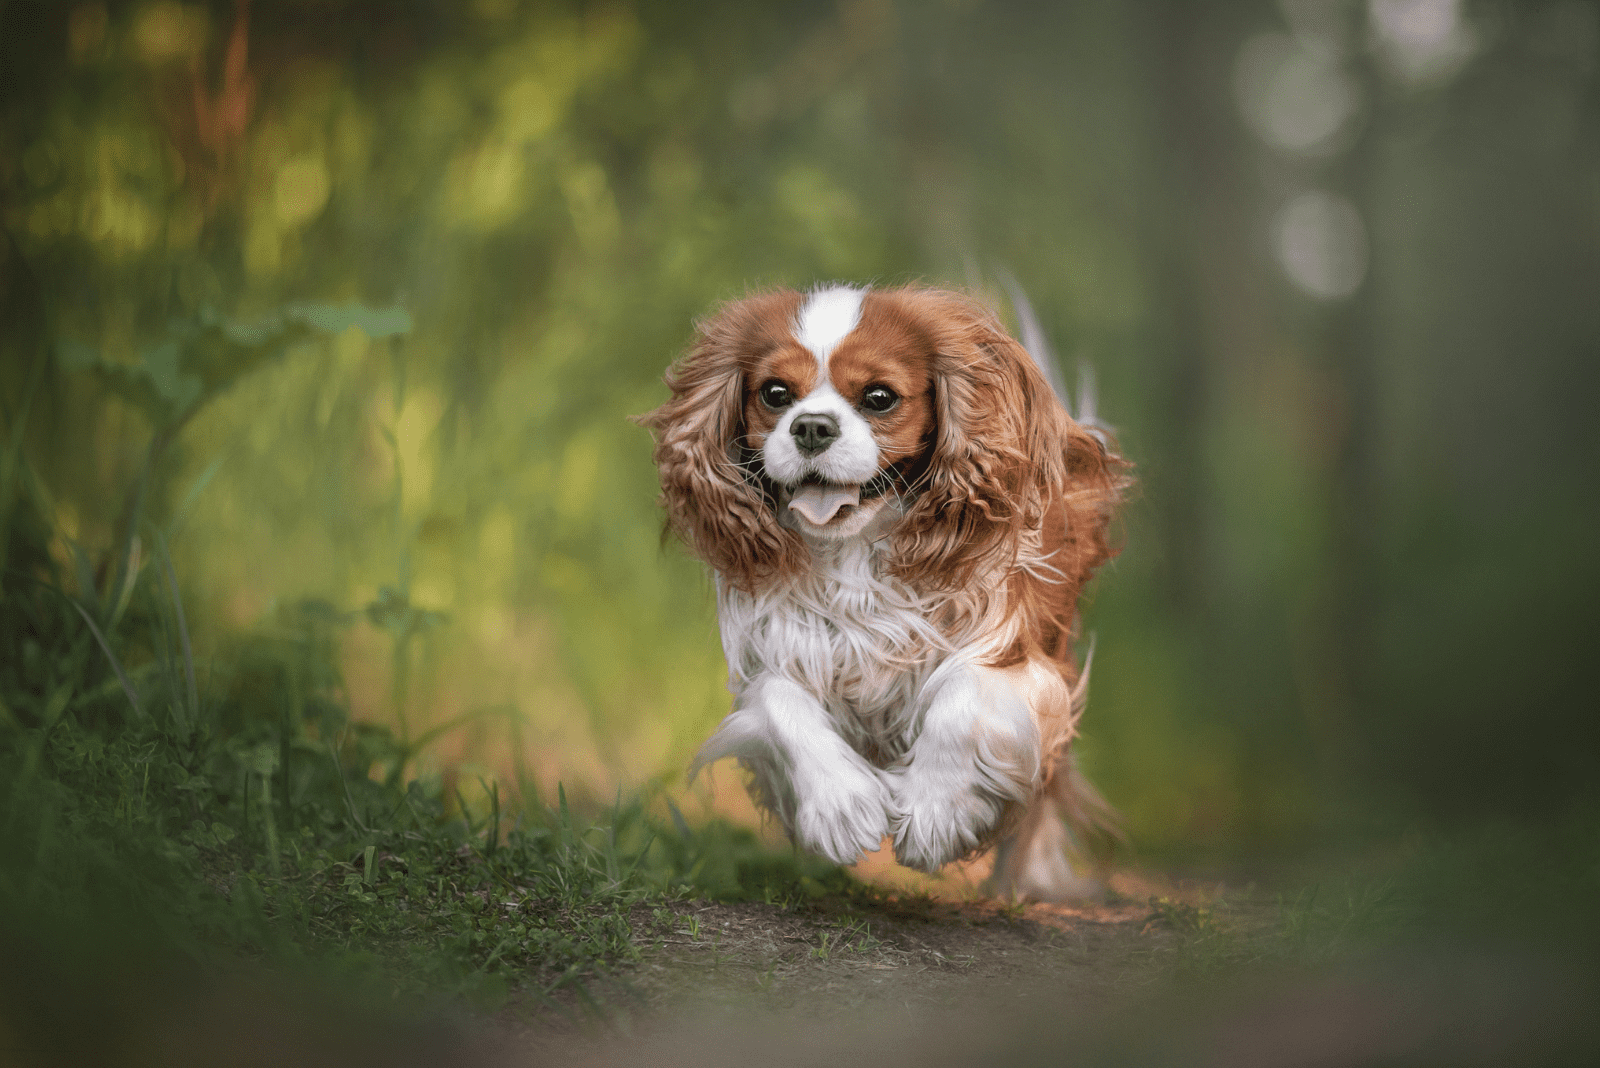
{"type": "Point", "coordinates": [936, 818]}
{"type": "Point", "coordinates": [841, 816]}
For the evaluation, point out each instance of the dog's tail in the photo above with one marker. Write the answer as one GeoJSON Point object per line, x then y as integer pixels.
{"type": "Point", "coordinates": [1067, 832]}
{"type": "Point", "coordinates": [1056, 852]}
{"type": "Point", "coordinates": [1085, 412]}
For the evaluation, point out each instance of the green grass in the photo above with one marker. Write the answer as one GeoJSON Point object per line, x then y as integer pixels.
{"type": "Point", "coordinates": [1504, 887]}
{"type": "Point", "coordinates": [164, 813]}
{"type": "Point", "coordinates": [1310, 927]}
{"type": "Point", "coordinates": [159, 806]}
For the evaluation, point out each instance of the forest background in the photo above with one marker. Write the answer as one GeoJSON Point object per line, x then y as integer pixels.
{"type": "Point", "coordinates": [351, 300]}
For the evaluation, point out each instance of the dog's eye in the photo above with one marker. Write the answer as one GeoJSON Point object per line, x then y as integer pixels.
{"type": "Point", "coordinates": [776, 395]}
{"type": "Point", "coordinates": [879, 399]}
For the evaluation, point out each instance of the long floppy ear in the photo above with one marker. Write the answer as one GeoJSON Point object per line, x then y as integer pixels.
{"type": "Point", "coordinates": [1096, 478]}
{"type": "Point", "coordinates": [714, 500]}
{"type": "Point", "coordinates": [1004, 449]}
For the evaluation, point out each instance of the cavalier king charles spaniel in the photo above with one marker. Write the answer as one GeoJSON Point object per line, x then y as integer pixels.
{"type": "Point", "coordinates": [901, 515]}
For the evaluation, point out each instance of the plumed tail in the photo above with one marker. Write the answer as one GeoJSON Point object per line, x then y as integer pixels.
{"type": "Point", "coordinates": [1086, 411]}
{"type": "Point", "coordinates": [1095, 826]}
{"type": "Point", "coordinates": [1060, 847]}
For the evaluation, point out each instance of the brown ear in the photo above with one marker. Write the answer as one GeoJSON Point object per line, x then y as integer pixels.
{"type": "Point", "coordinates": [1096, 477]}
{"type": "Point", "coordinates": [713, 500]}
{"type": "Point", "coordinates": [1004, 450]}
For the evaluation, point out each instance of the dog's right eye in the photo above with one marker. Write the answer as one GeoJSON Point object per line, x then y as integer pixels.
{"type": "Point", "coordinates": [776, 395]}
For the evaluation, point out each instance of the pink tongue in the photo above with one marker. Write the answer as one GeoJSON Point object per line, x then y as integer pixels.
{"type": "Point", "coordinates": [821, 503]}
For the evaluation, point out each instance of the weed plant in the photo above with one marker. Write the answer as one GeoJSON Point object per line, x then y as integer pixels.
{"type": "Point", "coordinates": [161, 807]}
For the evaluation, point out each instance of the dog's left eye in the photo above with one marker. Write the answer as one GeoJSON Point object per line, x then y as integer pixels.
{"type": "Point", "coordinates": [879, 399]}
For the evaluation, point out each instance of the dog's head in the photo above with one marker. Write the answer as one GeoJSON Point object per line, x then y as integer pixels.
{"type": "Point", "coordinates": [798, 419]}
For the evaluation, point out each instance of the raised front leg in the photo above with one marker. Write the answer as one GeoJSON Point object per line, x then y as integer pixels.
{"type": "Point", "coordinates": [830, 799]}
{"type": "Point", "coordinates": [976, 749]}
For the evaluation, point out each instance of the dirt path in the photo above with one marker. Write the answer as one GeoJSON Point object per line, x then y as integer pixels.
{"type": "Point", "coordinates": [830, 957]}
{"type": "Point", "coordinates": [747, 972]}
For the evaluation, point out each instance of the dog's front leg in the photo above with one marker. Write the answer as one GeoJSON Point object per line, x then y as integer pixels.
{"type": "Point", "coordinates": [977, 748]}
{"type": "Point", "coordinates": [830, 799]}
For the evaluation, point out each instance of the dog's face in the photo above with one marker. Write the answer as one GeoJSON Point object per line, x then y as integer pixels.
{"type": "Point", "coordinates": [839, 413]}
{"type": "Point", "coordinates": [907, 414]}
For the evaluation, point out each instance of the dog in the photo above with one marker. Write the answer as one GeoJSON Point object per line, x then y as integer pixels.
{"type": "Point", "coordinates": [901, 515]}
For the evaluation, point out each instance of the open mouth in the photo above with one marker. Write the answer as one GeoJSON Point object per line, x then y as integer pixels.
{"type": "Point", "coordinates": [821, 502]}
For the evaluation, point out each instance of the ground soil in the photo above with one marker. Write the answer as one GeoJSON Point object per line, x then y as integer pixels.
{"type": "Point", "coordinates": [909, 959]}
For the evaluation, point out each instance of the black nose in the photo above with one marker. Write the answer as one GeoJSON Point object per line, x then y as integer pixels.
{"type": "Point", "coordinates": [813, 433]}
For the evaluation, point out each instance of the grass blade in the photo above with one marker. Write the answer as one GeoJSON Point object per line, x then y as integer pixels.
{"type": "Point", "coordinates": [426, 737]}
{"type": "Point", "coordinates": [128, 576]}
{"type": "Point", "coordinates": [183, 629]}
{"type": "Point", "coordinates": [344, 787]}
{"type": "Point", "coordinates": [122, 676]}
{"type": "Point", "coordinates": [679, 824]}
{"type": "Point", "coordinates": [11, 463]}
{"type": "Point", "coordinates": [84, 572]}
{"type": "Point", "coordinates": [127, 553]}
{"type": "Point", "coordinates": [181, 515]}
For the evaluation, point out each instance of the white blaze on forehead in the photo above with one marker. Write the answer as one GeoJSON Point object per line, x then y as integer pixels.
{"type": "Point", "coordinates": [826, 318]}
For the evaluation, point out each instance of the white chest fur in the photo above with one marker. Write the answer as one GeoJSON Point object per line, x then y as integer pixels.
{"type": "Point", "coordinates": [858, 641]}
{"type": "Point", "coordinates": [862, 708]}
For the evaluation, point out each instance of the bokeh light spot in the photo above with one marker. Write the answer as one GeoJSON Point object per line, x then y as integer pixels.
{"type": "Point", "coordinates": [168, 31]}
{"type": "Point", "coordinates": [413, 434]}
{"type": "Point", "coordinates": [484, 185]}
{"type": "Point", "coordinates": [527, 110]}
{"type": "Point", "coordinates": [301, 190]}
{"type": "Point", "coordinates": [1295, 98]}
{"type": "Point", "coordinates": [1322, 245]}
{"type": "Point", "coordinates": [1422, 40]}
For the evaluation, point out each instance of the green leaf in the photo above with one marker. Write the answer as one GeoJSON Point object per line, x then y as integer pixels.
{"type": "Point", "coordinates": [176, 387]}
{"type": "Point", "coordinates": [76, 356]}
{"type": "Point", "coordinates": [337, 318]}
{"type": "Point", "coordinates": [202, 356]}
{"type": "Point", "coordinates": [261, 758]}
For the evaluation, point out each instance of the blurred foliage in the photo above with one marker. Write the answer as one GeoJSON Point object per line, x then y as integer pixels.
{"type": "Point", "coordinates": [164, 816]}
{"type": "Point", "coordinates": [349, 301]}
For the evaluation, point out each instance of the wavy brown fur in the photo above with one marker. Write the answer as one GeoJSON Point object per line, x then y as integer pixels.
{"type": "Point", "coordinates": [1003, 456]}
{"type": "Point", "coordinates": [711, 501]}
{"type": "Point", "coordinates": [1006, 484]}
